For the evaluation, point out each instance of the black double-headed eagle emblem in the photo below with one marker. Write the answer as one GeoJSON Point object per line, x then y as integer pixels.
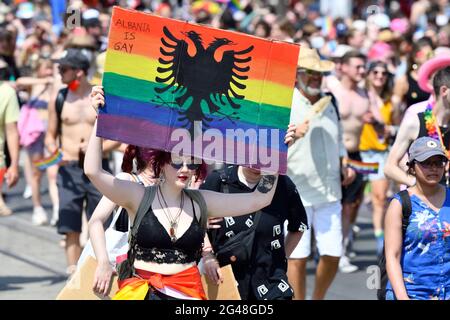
{"type": "Point", "coordinates": [201, 78]}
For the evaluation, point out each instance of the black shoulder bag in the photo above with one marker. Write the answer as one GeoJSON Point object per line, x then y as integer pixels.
{"type": "Point", "coordinates": [125, 269]}
{"type": "Point", "coordinates": [237, 249]}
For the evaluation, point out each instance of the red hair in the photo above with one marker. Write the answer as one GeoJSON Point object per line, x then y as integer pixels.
{"type": "Point", "coordinates": [141, 155]}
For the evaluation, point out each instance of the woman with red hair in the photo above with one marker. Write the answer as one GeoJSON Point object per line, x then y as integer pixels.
{"type": "Point", "coordinates": [170, 236]}
{"type": "Point", "coordinates": [137, 167]}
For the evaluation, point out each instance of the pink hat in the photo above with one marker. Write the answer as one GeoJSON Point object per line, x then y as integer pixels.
{"type": "Point", "coordinates": [379, 51]}
{"type": "Point", "coordinates": [427, 70]}
{"type": "Point", "coordinates": [399, 25]}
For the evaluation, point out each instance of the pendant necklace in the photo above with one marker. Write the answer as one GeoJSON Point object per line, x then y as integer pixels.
{"type": "Point", "coordinates": [172, 220]}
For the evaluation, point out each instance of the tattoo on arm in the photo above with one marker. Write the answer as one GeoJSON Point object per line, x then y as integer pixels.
{"type": "Point", "coordinates": [266, 184]}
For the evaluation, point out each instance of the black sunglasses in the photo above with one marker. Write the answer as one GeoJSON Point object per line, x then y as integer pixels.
{"type": "Point", "coordinates": [428, 164]}
{"type": "Point", "coordinates": [63, 69]}
{"type": "Point", "coordinates": [377, 72]}
{"type": "Point", "coordinates": [190, 166]}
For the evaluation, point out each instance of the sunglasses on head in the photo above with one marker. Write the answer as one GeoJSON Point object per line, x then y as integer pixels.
{"type": "Point", "coordinates": [179, 165]}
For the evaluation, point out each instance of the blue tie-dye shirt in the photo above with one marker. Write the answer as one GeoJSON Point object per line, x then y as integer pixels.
{"type": "Point", "coordinates": [425, 256]}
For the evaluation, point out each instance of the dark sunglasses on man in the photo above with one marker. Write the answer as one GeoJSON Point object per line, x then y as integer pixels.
{"type": "Point", "coordinates": [63, 69]}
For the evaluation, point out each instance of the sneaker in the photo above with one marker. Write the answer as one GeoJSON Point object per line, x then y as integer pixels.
{"type": "Point", "coordinates": [351, 254]}
{"type": "Point", "coordinates": [39, 217]}
{"type": "Point", "coordinates": [55, 216]}
{"type": "Point", "coordinates": [356, 230]}
{"type": "Point", "coordinates": [27, 193]}
{"type": "Point", "coordinates": [345, 266]}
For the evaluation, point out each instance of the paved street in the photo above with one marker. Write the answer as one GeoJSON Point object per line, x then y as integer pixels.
{"type": "Point", "coordinates": [32, 263]}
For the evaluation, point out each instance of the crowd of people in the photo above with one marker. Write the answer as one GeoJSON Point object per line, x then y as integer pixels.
{"type": "Point", "coordinates": [382, 70]}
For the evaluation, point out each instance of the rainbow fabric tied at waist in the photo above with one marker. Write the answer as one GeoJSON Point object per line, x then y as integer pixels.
{"type": "Point", "coordinates": [136, 288]}
{"type": "Point", "coordinates": [363, 167]}
{"type": "Point", "coordinates": [55, 158]}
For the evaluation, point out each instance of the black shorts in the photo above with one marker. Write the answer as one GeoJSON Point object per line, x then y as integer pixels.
{"type": "Point", "coordinates": [74, 188]}
{"type": "Point", "coordinates": [353, 192]}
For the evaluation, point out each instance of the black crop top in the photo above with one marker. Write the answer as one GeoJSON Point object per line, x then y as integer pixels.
{"type": "Point", "coordinates": [153, 243]}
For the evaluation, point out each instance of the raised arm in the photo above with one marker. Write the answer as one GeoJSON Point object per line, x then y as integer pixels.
{"type": "Point", "coordinates": [409, 129]}
{"type": "Point", "coordinates": [124, 193]}
{"type": "Point", "coordinates": [393, 248]}
{"type": "Point", "coordinates": [237, 204]}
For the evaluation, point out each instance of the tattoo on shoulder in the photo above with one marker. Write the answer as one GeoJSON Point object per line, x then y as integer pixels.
{"type": "Point", "coordinates": [266, 183]}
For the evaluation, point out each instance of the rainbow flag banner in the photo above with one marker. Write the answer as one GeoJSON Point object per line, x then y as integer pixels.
{"type": "Point", "coordinates": [363, 167]}
{"type": "Point", "coordinates": [191, 89]}
{"type": "Point", "coordinates": [43, 164]}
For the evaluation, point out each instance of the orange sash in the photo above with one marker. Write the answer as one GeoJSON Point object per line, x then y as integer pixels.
{"type": "Point", "coordinates": [136, 288]}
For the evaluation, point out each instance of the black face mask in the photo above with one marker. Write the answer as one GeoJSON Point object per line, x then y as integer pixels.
{"type": "Point", "coordinates": [4, 74]}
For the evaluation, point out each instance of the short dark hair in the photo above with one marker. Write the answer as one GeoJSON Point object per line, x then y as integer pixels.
{"type": "Point", "coordinates": [441, 78]}
{"type": "Point", "coordinates": [267, 28]}
{"type": "Point", "coordinates": [352, 54]}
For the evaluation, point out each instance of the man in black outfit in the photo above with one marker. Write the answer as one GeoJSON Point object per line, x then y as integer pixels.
{"type": "Point", "coordinates": [264, 275]}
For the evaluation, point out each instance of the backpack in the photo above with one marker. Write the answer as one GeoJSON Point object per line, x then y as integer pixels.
{"type": "Point", "coordinates": [334, 103]}
{"type": "Point", "coordinates": [237, 249]}
{"type": "Point", "coordinates": [406, 213]}
{"type": "Point", "coordinates": [59, 103]}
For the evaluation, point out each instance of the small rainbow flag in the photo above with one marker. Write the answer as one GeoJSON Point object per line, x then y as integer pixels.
{"type": "Point", "coordinates": [235, 5]}
{"type": "Point", "coordinates": [328, 29]}
{"type": "Point", "coordinates": [363, 167]}
{"type": "Point", "coordinates": [44, 163]}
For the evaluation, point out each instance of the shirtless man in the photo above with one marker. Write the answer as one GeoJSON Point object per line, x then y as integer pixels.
{"type": "Point", "coordinates": [354, 112]}
{"type": "Point", "coordinates": [413, 127]}
{"type": "Point", "coordinates": [77, 122]}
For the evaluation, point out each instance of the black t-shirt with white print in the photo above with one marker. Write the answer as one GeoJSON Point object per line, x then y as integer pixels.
{"type": "Point", "coordinates": [265, 277]}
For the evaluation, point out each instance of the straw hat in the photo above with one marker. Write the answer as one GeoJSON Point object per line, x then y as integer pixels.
{"type": "Point", "coordinates": [309, 59]}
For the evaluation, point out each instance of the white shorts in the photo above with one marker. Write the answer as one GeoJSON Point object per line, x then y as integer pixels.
{"type": "Point", "coordinates": [325, 219]}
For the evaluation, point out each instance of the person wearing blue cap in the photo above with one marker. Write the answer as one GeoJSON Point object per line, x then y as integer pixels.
{"type": "Point", "coordinates": [417, 249]}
